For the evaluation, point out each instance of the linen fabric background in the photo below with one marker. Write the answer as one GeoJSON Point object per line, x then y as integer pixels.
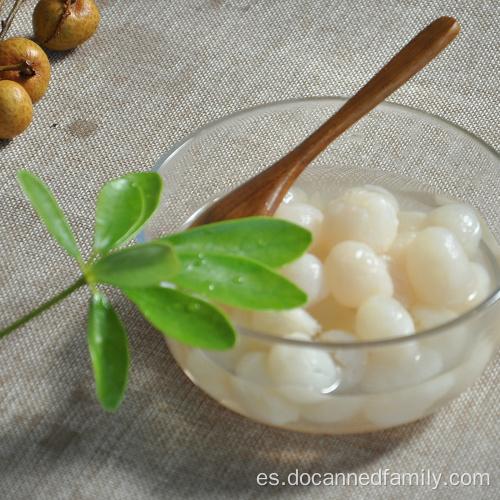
{"type": "Point", "coordinates": [154, 72]}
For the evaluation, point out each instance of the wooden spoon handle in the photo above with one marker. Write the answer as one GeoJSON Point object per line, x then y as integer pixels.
{"type": "Point", "coordinates": [262, 194]}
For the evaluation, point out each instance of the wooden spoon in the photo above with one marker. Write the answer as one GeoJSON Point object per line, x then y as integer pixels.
{"type": "Point", "coordinates": [262, 194]}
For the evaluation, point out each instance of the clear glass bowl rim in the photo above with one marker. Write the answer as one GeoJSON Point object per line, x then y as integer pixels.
{"type": "Point", "coordinates": [389, 107]}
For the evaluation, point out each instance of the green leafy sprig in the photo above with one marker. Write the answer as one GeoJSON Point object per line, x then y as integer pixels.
{"type": "Point", "coordinates": [172, 279]}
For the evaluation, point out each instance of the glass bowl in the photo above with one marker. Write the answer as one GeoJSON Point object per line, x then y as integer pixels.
{"type": "Point", "coordinates": [424, 162]}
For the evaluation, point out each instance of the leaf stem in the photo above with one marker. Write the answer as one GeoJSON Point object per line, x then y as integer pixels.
{"type": "Point", "coordinates": [67, 11]}
{"type": "Point", "coordinates": [77, 284]}
{"type": "Point", "coordinates": [12, 14]}
{"type": "Point", "coordinates": [14, 67]}
{"type": "Point", "coordinates": [24, 67]}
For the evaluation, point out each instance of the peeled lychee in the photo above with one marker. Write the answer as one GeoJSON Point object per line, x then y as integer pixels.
{"type": "Point", "coordinates": [25, 62]}
{"type": "Point", "coordinates": [16, 110]}
{"type": "Point", "coordinates": [64, 24]}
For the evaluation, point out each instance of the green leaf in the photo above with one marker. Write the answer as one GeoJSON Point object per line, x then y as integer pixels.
{"type": "Point", "coordinates": [109, 352]}
{"type": "Point", "coordinates": [136, 267]}
{"type": "Point", "coordinates": [49, 211]}
{"type": "Point", "coordinates": [119, 207]}
{"type": "Point", "coordinates": [123, 207]}
{"type": "Point", "coordinates": [273, 242]}
{"type": "Point", "coordinates": [237, 281]}
{"type": "Point", "coordinates": [150, 185]}
{"type": "Point", "coordinates": [184, 318]}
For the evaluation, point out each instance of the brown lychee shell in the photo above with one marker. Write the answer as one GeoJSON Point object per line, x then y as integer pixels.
{"type": "Point", "coordinates": [36, 76]}
{"type": "Point", "coordinates": [56, 32]}
{"type": "Point", "coordinates": [16, 110]}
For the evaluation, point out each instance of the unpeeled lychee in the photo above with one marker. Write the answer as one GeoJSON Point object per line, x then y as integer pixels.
{"type": "Point", "coordinates": [64, 24]}
{"type": "Point", "coordinates": [16, 109]}
{"type": "Point", "coordinates": [27, 65]}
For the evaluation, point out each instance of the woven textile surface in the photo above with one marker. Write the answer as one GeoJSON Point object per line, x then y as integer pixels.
{"type": "Point", "coordinates": [154, 72]}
